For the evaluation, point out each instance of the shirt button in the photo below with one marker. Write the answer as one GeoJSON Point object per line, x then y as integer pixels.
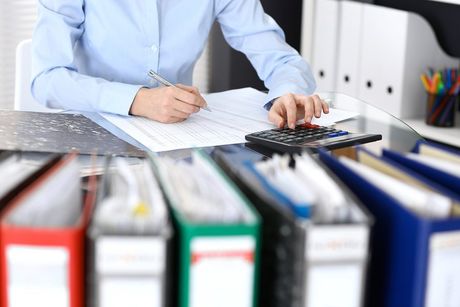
{"type": "Point", "coordinates": [154, 48]}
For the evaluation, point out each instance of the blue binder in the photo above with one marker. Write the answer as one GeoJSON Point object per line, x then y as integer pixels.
{"type": "Point", "coordinates": [400, 243]}
{"type": "Point", "coordinates": [435, 186]}
{"type": "Point", "coordinates": [448, 180]}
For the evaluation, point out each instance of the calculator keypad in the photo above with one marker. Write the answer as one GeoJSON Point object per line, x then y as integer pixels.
{"type": "Point", "coordinates": [301, 134]}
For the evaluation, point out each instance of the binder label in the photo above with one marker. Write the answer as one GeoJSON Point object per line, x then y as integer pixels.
{"type": "Point", "coordinates": [37, 276]}
{"type": "Point", "coordinates": [443, 280]}
{"type": "Point", "coordinates": [222, 271]}
{"type": "Point", "coordinates": [129, 291]}
{"type": "Point", "coordinates": [337, 243]}
{"type": "Point", "coordinates": [130, 255]}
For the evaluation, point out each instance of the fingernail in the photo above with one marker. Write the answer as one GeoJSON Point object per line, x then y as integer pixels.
{"type": "Point", "coordinates": [308, 119]}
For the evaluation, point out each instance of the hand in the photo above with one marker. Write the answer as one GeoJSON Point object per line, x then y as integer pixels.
{"type": "Point", "coordinates": [167, 104]}
{"type": "Point", "coordinates": [290, 108]}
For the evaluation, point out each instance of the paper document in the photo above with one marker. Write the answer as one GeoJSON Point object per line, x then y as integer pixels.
{"type": "Point", "coordinates": [307, 184]}
{"type": "Point", "coordinates": [134, 203]}
{"type": "Point", "coordinates": [203, 195]}
{"type": "Point", "coordinates": [426, 203]}
{"type": "Point", "coordinates": [235, 114]}
{"type": "Point", "coordinates": [13, 170]}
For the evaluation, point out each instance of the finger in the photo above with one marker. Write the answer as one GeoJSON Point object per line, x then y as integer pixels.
{"type": "Point", "coordinates": [186, 97]}
{"type": "Point", "coordinates": [290, 107]}
{"type": "Point", "coordinates": [276, 118]}
{"type": "Point", "coordinates": [194, 90]}
{"type": "Point", "coordinates": [190, 89]}
{"type": "Point", "coordinates": [308, 106]}
{"type": "Point", "coordinates": [317, 105]}
{"type": "Point", "coordinates": [325, 106]}
{"type": "Point", "coordinates": [174, 119]}
{"type": "Point", "coordinates": [178, 114]}
{"type": "Point", "coordinates": [184, 107]}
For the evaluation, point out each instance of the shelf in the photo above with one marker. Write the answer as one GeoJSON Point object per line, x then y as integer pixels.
{"type": "Point", "coordinates": [450, 136]}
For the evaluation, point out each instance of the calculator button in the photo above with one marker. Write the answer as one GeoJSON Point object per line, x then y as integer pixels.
{"type": "Point", "coordinates": [333, 135]}
{"type": "Point", "coordinates": [343, 133]}
{"type": "Point", "coordinates": [310, 126]}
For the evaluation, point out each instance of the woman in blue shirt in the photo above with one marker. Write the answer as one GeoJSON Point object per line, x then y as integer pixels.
{"type": "Point", "coordinates": [94, 55]}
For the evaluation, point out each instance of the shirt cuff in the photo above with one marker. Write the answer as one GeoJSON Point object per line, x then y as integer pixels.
{"type": "Point", "coordinates": [117, 97]}
{"type": "Point", "coordinates": [269, 104]}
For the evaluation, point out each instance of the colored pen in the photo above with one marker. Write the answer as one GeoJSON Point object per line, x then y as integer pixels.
{"type": "Point", "coordinates": [165, 82]}
{"type": "Point", "coordinates": [425, 83]}
{"type": "Point", "coordinates": [434, 84]}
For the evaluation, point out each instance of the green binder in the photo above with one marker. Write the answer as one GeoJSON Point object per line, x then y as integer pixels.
{"type": "Point", "coordinates": [217, 263]}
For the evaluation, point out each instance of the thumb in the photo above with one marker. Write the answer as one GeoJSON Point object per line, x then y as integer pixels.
{"type": "Point", "coordinates": [276, 119]}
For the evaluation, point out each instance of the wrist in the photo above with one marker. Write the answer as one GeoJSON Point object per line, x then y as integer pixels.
{"type": "Point", "coordinates": [135, 108]}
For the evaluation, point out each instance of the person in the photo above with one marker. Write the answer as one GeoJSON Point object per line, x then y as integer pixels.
{"type": "Point", "coordinates": [94, 55]}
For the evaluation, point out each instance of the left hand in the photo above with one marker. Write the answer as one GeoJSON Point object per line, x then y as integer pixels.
{"type": "Point", "coordinates": [288, 109]}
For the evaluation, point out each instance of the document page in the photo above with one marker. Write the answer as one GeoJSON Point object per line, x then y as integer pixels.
{"type": "Point", "coordinates": [235, 114]}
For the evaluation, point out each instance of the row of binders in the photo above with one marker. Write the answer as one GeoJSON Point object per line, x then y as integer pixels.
{"type": "Point", "coordinates": [231, 230]}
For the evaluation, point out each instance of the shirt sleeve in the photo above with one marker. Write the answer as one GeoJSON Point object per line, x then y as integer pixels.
{"type": "Point", "coordinates": [56, 82]}
{"type": "Point", "coordinates": [248, 29]}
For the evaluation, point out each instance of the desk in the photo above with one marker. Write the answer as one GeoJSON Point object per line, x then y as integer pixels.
{"type": "Point", "coordinates": [396, 134]}
{"type": "Point", "coordinates": [449, 135]}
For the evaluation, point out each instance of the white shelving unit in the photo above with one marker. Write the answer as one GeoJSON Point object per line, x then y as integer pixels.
{"type": "Point", "coordinates": [450, 136]}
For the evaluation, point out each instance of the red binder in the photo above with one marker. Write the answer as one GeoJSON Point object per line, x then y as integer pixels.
{"type": "Point", "coordinates": [42, 265]}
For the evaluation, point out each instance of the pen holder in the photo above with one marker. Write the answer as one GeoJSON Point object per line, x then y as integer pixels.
{"type": "Point", "coordinates": [441, 110]}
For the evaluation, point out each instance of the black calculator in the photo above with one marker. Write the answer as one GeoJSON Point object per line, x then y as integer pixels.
{"type": "Point", "coordinates": [309, 136]}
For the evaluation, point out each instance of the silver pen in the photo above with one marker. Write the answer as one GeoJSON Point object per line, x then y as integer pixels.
{"type": "Point", "coordinates": [165, 82]}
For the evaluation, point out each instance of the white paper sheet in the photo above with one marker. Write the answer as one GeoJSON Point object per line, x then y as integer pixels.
{"type": "Point", "coordinates": [443, 279]}
{"type": "Point", "coordinates": [234, 114]}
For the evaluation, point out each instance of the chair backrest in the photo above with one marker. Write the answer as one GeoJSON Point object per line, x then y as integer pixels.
{"type": "Point", "coordinates": [23, 100]}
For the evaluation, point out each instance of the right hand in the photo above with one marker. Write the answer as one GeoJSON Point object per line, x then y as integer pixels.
{"type": "Point", "coordinates": [167, 104]}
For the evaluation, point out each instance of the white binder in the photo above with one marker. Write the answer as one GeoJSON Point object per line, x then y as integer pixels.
{"type": "Point", "coordinates": [324, 53]}
{"type": "Point", "coordinates": [308, 20]}
{"type": "Point", "coordinates": [349, 47]}
{"type": "Point", "coordinates": [397, 47]}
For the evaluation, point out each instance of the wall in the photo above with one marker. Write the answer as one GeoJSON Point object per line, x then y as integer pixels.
{"type": "Point", "coordinates": [443, 17]}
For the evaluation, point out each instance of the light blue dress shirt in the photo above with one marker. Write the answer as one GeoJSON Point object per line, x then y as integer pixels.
{"type": "Point", "coordinates": [94, 55]}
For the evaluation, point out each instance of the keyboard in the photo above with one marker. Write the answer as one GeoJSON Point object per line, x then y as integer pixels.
{"type": "Point", "coordinates": [309, 136]}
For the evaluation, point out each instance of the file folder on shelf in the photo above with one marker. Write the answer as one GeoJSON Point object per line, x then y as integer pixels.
{"type": "Point", "coordinates": [129, 247]}
{"type": "Point", "coordinates": [449, 180]}
{"type": "Point", "coordinates": [16, 175]}
{"type": "Point", "coordinates": [303, 261]}
{"type": "Point", "coordinates": [217, 261]}
{"type": "Point", "coordinates": [42, 240]}
{"type": "Point", "coordinates": [415, 258]}
{"type": "Point", "coordinates": [408, 176]}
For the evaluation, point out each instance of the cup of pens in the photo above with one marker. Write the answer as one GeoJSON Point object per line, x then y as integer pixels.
{"type": "Point", "coordinates": [442, 89]}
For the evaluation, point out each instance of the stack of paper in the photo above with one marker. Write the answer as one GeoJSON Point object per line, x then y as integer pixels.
{"type": "Point", "coordinates": [134, 203]}
{"type": "Point", "coordinates": [202, 195]}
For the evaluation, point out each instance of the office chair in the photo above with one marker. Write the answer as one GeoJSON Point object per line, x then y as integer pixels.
{"type": "Point", "coordinates": [23, 100]}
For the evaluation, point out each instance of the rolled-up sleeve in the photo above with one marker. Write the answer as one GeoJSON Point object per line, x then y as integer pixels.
{"type": "Point", "coordinates": [248, 29]}
{"type": "Point", "coordinates": [56, 81]}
